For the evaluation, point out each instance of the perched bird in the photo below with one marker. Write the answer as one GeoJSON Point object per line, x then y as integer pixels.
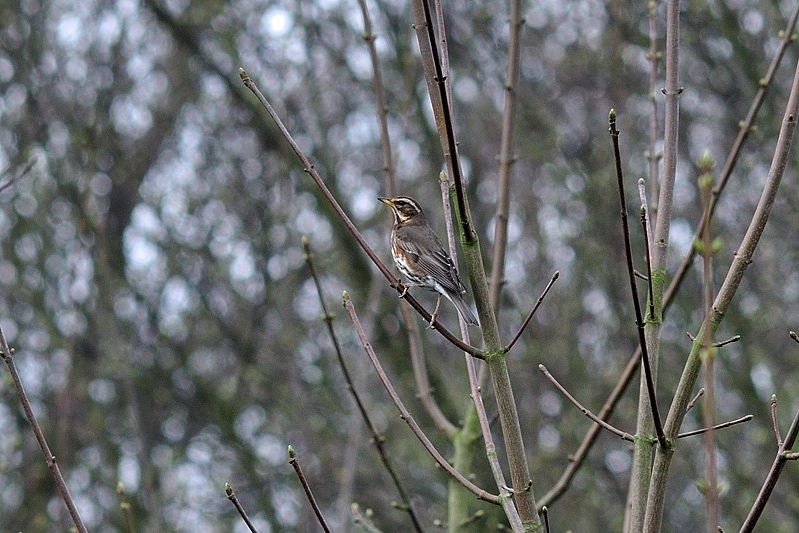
{"type": "Point", "coordinates": [421, 257]}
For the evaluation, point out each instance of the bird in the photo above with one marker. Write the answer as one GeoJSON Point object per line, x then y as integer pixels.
{"type": "Point", "coordinates": [421, 257]}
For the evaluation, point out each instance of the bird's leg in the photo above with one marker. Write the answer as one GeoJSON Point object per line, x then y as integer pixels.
{"type": "Point", "coordinates": [401, 287]}
{"type": "Point", "coordinates": [435, 312]}
{"type": "Point", "coordinates": [404, 290]}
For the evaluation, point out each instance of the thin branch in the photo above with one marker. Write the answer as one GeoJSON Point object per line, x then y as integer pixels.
{"type": "Point", "coordinates": [511, 512]}
{"type": "Point", "coordinates": [380, 100]}
{"type": "Point", "coordinates": [506, 156]}
{"type": "Point", "coordinates": [376, 438]}
{"type": "Point", "coordinates": [294, 462]}
{"type": "Point", "coordinates": [235, 501]}
{"type": "Point", "coordinates": [774, 422]}
{"type": "Point", "coordinates": [365, 522]}
{"type": "Point", "coordinates": [648, 256]}
{"type": "Point", "coordinates": [711, 476]}
{"type": "Point", "coordinates": [723, 425]}
{"type": "Point", "coordinates": [619, 433]}
{"type": "Point", "coordinates": [648, 248]}
{"type": "Point", "coordinates": [406, 415]}
{"type": "Point", "coordinates": [63, 491]}
{"type": "Point", "coordinates": [545, 514]}
{"type": "Point", "coordinates": [695, 399]}
{"type": "Point", "coordinates": [449, 144]}
{"type": "Point", "coordinates": [18, 174]}
{"type": "Point", "coordinates": [654, 57]}
{"type": "Point", "coordinates": [124, 506]}
{"type": "Point", "coordinates": [538, 302]}
{"type": "Point", "coordinates": [650, 382]}
{"type": "Point", "coordinates": [782, 457]}
{"type": "Point", "coordinates": [309, 168]}
{"type": "Point", "coordinates": [414, 339]}
{"type": "Point", "coordinates": [577, 458]}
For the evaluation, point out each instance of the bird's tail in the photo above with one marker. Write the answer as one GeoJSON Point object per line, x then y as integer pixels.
{"type": "Point", "coordinates": [463, 308]}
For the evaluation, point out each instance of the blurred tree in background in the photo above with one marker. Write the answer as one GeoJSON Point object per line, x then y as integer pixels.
{"type": "Point", "coordinates": [166, 327]}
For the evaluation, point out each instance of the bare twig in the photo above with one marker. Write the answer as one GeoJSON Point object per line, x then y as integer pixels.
{"type": "Point", "coordinates": [506, 156]}
{"type": "Point", "coordinates": [577, 458]}
{"type": "Point", "coordinates": [406, 415]}
{"type": "Point", "coordinates": [449, 142]}
{"type": "Point", "coordinates": [295, 463]}
{"type": "Point", "coordinates": [514, 443]}
{"type": "Point", "coordinates": [538, 302]}
{"type": "Point", "coordinates": [364, 522]}
{"type": "Point", "coordinates": [648, 248]}
{"type": "Point", "coordinates": [650, 382]}
{"type": "Point", "coordinates": [63, 491]}
{"type": "Point", "coordinates": [376, 438]}
{"type": "Point", "coordinates": [474, 385]}
{"type": "Point", "coordinates": [545, 514]}
{"type": "Point", "coordinates": [395, 283]}
{"type": "Point", "coordinates": [654, 57]}
{"type": "Point", "coordinates": [723, 425]}
{"type": "Point", "coordinates": [124, 506]}
{"type": "Point", "coordinates": [695, 399]}
{"type": "Point", "coordinates": [774, 422]}
{"type": "Point", "coordinates": [783, 456]}
{"type": "Point", "coordinates": [709, 351]}
{"type": "Point", "coordinates": [235, 501]}
{"type": "Point", "coordinates": [380, 99]}
{"type": "Point", "coordinates": [619, 433]}
{"type": "Point", "coordinates": [17, 174]}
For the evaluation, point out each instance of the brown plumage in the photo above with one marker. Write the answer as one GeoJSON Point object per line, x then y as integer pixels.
{"type": "Point", "coordinates": [421, 257]}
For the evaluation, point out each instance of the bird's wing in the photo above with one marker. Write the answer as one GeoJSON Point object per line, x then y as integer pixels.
{"type": "Point", "coordinates": [435, 261]}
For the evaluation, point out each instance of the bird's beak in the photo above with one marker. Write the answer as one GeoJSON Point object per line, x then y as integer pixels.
{"type": "Point", "coordinates": [386, 201]}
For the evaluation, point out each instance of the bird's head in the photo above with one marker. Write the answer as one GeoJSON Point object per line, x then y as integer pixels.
{"type": "Point", "coordinates": [403, 207]}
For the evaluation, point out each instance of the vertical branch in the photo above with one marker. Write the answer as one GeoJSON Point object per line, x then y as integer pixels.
{"type": "Point", "coordinates": [380, 100]}
{"type": "Point", "coordinates": [711, 494]}
{"type": "Point", "coordinates": [475, 391]}
{"type": "Point", "coordinates": [506, 156]}
{"type": "Point", "coordinates": [639, 321]}
{"type": "Point", "coordinates": [494, 354]}
{"type": "Point", "coordinates": [642, 454]}
{"type": "Point", "coordinates": [436, 85]}
{"type": "Point", "coordinates": [654, 57]}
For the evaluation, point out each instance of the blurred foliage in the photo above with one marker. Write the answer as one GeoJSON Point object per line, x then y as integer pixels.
{"type": "Point", "coordinates": [167, 330]}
